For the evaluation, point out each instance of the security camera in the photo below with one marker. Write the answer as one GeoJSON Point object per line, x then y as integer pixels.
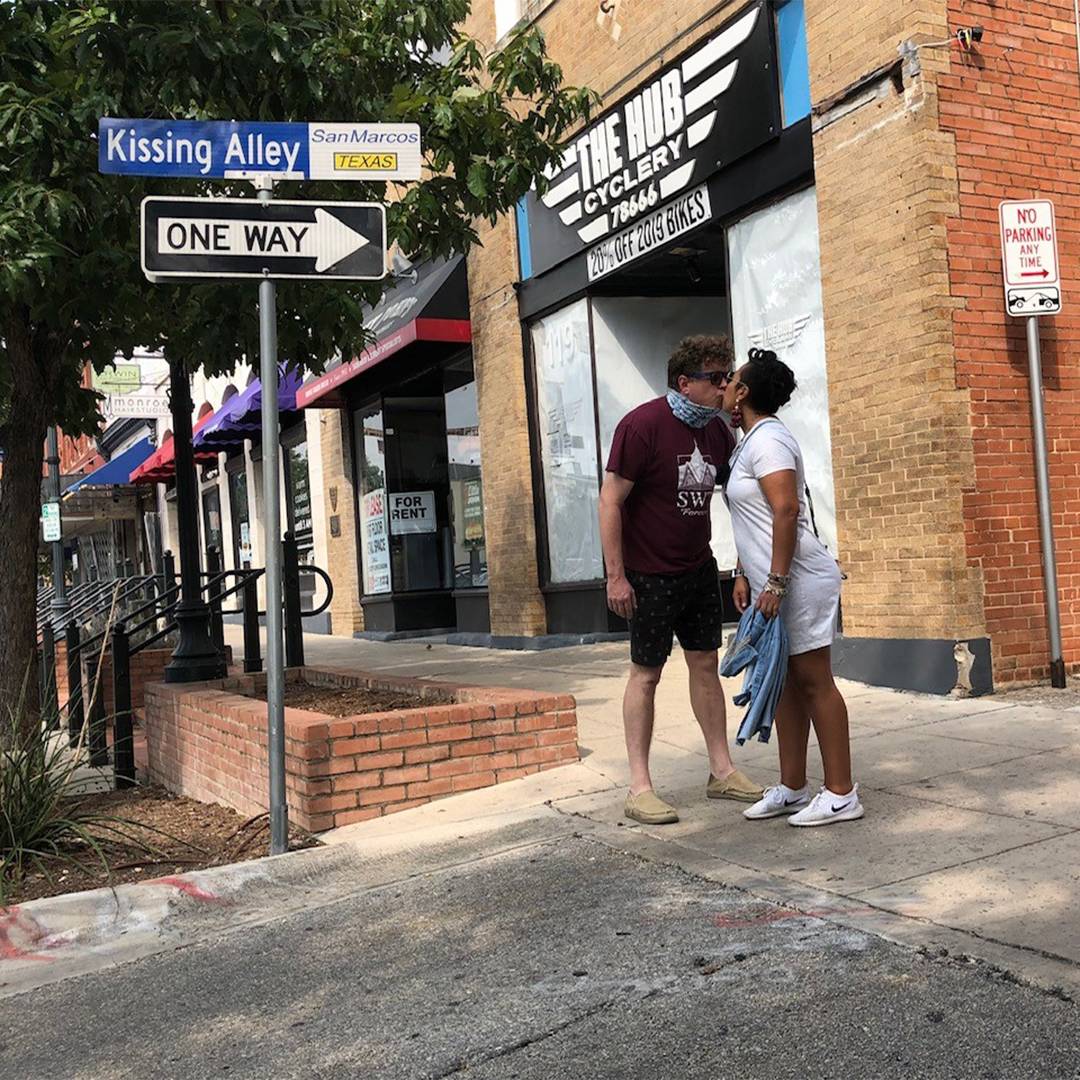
{"type": "Point", "coordinates": [968, 35]}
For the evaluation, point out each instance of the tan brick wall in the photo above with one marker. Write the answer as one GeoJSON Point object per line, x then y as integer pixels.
{"type": "Point", "coordinates": [208, 741]}
{"type": "Point", "coordinates": [342, 563]}
{"type": "Point", "coordinates": [886, 184]}
{"type": "Point", "coordinates": [514, 598]}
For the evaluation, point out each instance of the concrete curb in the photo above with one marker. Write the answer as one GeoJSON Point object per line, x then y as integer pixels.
{"type": "Point", "coordinates": [56, 938]}
{"type": "Point", "coordinates": [43, 941]}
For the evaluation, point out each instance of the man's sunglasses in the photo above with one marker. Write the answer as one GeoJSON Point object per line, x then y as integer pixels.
{"type": "Point", "coordinates": [717, 378]}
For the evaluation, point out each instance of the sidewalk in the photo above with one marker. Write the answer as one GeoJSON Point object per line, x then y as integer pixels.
{"type": "Point", "coordinates": [971, 840]}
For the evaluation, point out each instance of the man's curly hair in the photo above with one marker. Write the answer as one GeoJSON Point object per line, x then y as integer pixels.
{"type": "Point", "coordinates": [696, 353]}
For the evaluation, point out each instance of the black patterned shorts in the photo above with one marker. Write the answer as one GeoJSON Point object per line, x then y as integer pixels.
{"type": "Point", "coordinates": [687, 606]}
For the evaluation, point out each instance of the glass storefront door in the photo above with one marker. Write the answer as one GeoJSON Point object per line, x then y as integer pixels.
{"type": "Point", "coordinates": [421, 548]}
{"type": "Point", "coordinates": [420, 491]}
{"type": "Point", "coordinates": [294, 450]}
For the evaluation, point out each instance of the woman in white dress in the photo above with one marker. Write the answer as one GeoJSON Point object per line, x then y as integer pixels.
{"type": "Point", "coordinates": [785, 570]}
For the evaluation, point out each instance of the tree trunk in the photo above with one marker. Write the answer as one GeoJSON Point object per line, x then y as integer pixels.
{"type": "Point", "coordinates": [20, 499]}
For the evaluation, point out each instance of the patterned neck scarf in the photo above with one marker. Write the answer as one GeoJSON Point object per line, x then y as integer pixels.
{"type": "Point", "coordinates": [694, 415]}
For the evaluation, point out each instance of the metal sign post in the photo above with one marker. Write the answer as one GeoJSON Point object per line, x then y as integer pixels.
{"type": "Point", "coordinates": [275, 656]}
{"type": "Point", "coordinates": [188, 238]}
{"type": "Point", "coordinates": [1046, 521]}
{"type": "Point", "coordinates": [1029, 262]}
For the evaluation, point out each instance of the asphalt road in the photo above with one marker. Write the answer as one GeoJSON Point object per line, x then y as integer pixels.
{"type": "Point", "coordinates": [558, 959]}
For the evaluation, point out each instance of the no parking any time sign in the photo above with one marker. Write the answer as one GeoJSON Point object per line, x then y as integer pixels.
{"type": "Point", "coordinates": [1029, 257]}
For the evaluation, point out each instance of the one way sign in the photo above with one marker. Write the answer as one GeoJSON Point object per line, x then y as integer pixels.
{"type": "Point", "coordinates": [242, 238]}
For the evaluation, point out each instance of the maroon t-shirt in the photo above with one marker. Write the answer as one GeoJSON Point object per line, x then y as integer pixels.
{"type": "Point", "coordinates": [675, 469]}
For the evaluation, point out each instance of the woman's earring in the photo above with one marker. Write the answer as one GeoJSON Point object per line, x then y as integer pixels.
{"type": "Point", "coordinates": [736, 416]}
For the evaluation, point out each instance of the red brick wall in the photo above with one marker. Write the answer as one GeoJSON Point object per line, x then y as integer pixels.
{"type": "Point", "coordinates": [209, 742]}
{"type": "Point", "coordinates": [1014, 109]}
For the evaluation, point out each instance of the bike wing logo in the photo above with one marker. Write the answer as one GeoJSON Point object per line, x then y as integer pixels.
{"type": "Point", "coordinates": [779, 335]}
{"type": "Point", "coordinates": [646, 150]}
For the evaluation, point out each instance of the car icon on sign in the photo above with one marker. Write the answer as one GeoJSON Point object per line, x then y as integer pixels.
{"type": "Point", "coordinates": [1039, 300]}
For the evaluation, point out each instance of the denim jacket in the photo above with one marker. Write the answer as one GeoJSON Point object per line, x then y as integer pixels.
{"type": "Point", "coordinates": [759, 646]}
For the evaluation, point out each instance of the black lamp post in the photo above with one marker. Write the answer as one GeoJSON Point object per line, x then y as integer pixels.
{"type": "Point", "coordinates": [196, 657]}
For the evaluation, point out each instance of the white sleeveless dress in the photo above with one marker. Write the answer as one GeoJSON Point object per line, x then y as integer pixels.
{"type": "Point", "coordinates": [812, 603]}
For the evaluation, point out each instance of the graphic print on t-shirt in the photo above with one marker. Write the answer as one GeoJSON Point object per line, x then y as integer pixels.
{"type": "Point", "coordinates": [697, 480]}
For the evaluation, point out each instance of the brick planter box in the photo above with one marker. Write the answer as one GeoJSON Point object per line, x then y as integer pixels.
{"type": "Point", "coordinates": [147, 667]}
{"type": "Point", "coordinates": [209, 741]}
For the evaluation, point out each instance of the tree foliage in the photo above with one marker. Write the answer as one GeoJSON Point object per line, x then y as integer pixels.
{"type": "Point", "coordinates": [71, 290]}
{"type": "Point", "coordinates": [490, 124]}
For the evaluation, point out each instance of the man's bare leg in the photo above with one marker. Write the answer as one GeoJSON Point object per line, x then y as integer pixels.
{"type": "Point", "coordinates": [638, 711]}
{"type": "Point", "coordinates": [707, 701]}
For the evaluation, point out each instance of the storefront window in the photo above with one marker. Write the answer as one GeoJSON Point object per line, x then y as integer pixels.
{"type": "Point", "coordinates": [567, 427]}
{"type": "Point", "coordinates": [776, 304]}
{"type": "Point", "coordinates": [370, 442]}
{"type": "Point", "coordinates": [466, 489]}
{"type": "Point", "coordinates": [211, 500]}
{"type": "Point", "coordinates": [241, 517]}
{"type": "Point", "coordinates": [298, 488]}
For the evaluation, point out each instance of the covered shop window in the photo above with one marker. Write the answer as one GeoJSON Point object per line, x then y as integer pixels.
{"type": "Point", "coordinates": [370, 443]}
{"type": "Point", "coordinates": [776, 304]}
{"type": "Point", "coordinates": [466, 485]}
{"type": "Point", "coordinates": [211, 501]}
{"type": "Point", "coordinates": [241, 513]}
{"type": "Point", "coordinates": [567, 433]}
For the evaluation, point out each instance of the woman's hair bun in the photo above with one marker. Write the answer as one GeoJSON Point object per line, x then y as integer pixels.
{"type": "Point", "coordinates": [769, 380]}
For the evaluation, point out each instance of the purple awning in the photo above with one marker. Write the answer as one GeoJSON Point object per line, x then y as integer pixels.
{"type": "Point", "coordinates": [240, 417]}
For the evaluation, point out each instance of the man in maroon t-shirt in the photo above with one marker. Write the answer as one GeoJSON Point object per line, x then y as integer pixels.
{"type": "Point", "coordinates": [667, 457]}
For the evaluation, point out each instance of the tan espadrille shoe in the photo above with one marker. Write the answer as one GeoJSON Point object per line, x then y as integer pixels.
{"type": "Point", "coordinates": [650, 809]}
{"type": "Point", "coordinates": [737, 786]}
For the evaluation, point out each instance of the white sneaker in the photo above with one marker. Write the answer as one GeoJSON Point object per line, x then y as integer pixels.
{"type": "Point", "coordinates": [776, 802]}
{"type": "Point", "coordinates": [827, 808]}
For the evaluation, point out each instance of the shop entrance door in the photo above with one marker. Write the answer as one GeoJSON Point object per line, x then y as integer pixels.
{"type": "Point", "coordinates": [406, 524]}
{"type": "Point", "coordinates": [421, 547]}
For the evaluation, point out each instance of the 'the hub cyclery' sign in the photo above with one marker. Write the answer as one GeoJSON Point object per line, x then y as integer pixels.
{"type": "Point", "coordinates": [697, 115]}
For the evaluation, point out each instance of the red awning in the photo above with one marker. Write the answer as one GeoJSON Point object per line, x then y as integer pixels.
{"type": "Point", "coordinates": [160, 466]}
{"type": "Point", "coordinates": [449, 330]}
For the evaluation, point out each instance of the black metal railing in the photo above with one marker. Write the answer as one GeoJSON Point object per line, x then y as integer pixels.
{"type": "Point", "coordinates": [132, 627]}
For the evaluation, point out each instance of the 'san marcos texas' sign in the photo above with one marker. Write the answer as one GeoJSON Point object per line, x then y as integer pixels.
{"type": "Point", "coordinates": [699, 114]}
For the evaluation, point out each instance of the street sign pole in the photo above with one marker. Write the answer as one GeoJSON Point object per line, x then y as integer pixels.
{"type": "Point", "coordinates": [1046, 520]}
{"type": "Point", "coordinates": [1032, 278]}
{"type": "Point", "coordinates": [262, 239]}
{"type": "Point", "coordinates": [275, 672]}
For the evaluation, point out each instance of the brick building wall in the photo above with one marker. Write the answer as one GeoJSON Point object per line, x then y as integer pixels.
{"type": "Point", "coordinates": [929, 405]}
{"type": "Point", "coordinates": [650, 35]}
{"type": "Point", "coordinates": [1011, 108]}
{"type": "Point", "coordinates": [886, 184]}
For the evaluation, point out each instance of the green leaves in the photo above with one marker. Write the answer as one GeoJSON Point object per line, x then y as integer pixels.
{"type": "Point", "coordinates": [70, 236]}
